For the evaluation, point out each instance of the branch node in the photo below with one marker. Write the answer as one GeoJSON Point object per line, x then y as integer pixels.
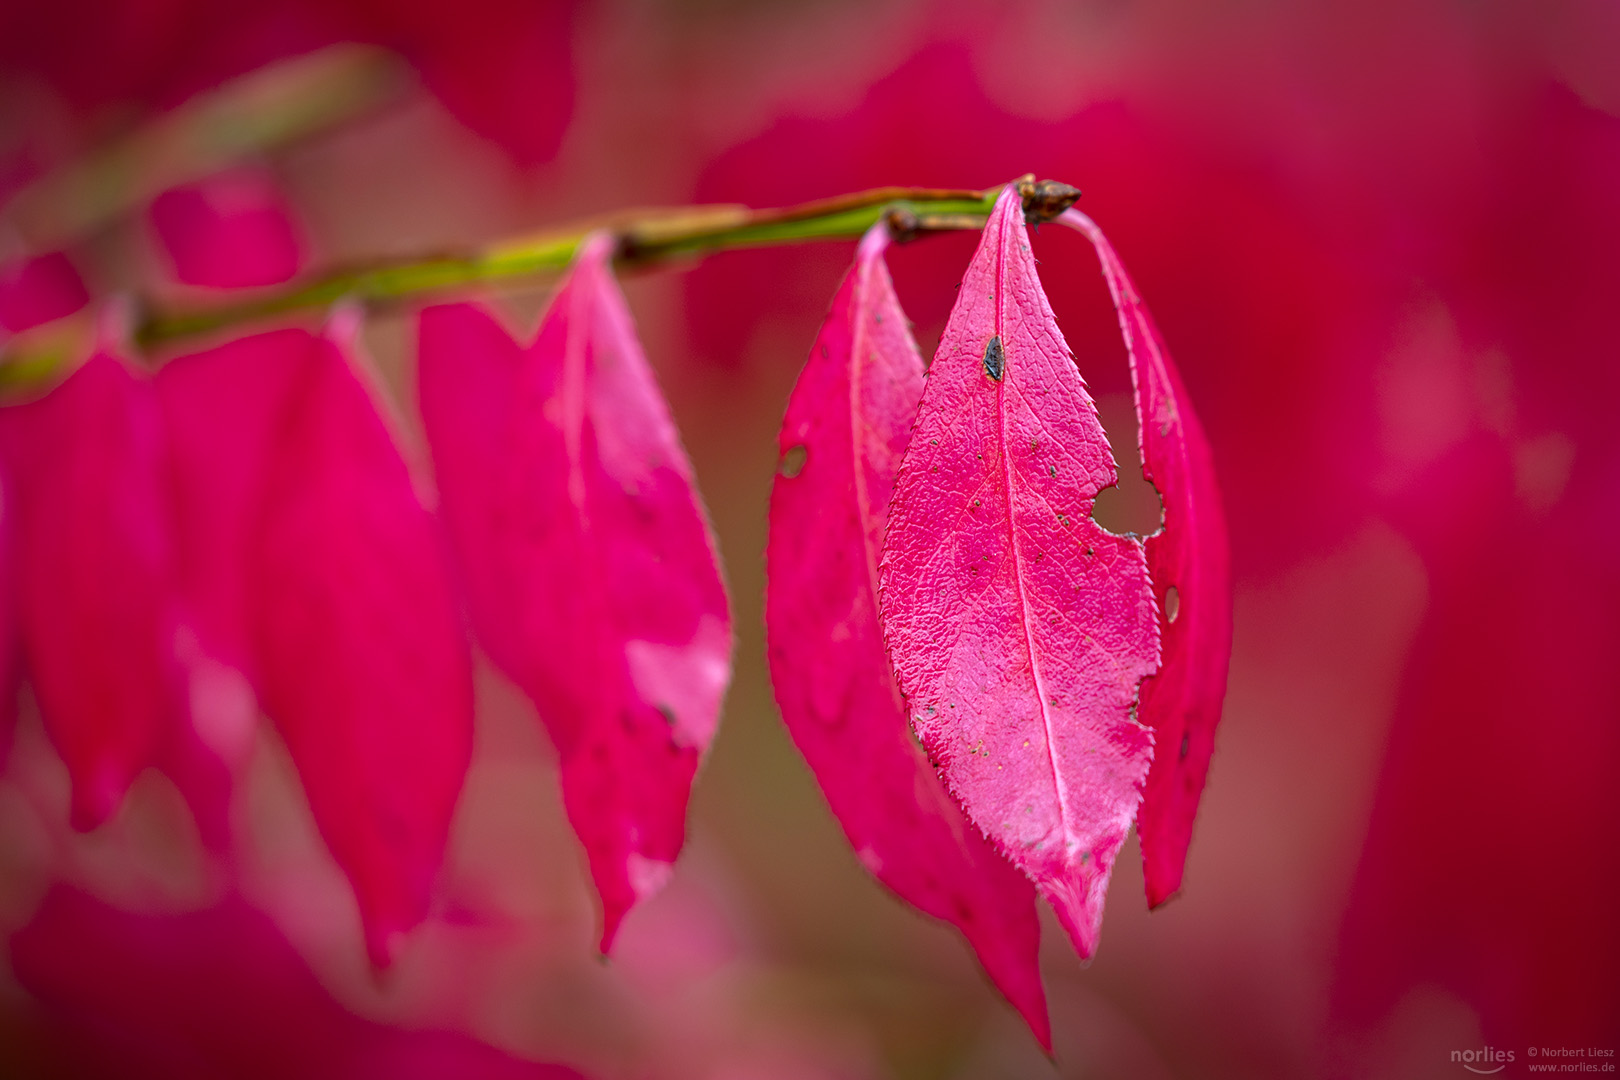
{"type": "Point", "coordinates": [1044, 200]}
{"type": "Point", "coordinates": [902, 224]}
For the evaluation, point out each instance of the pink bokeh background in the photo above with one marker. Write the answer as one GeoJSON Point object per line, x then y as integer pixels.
{"type": "Point", "coordinates": [1382, 242]}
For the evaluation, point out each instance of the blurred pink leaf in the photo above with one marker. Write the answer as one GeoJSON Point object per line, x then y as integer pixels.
{"type": "Point", "coordinates": [1503, 740]}
{"type": "Point", "coordinates": [502, 67]}
{"type": "Point", "coordinates": [95, 592]}
{"type": "Point", "coordinates": [224, 411]}
{"type": "Point", "coordinates": [10, 646]}
{"type": "Point", "coordinates": [316, 562]}
{"type": "Point", "coordinates": [211, 993]}
{"type": "Point", "coordinates": [846, 428]}
{"type": "Point", "coordinates": [230, 231]}
{"type": "Point", "coordinates": [1018, 627]}
{"type": "Point", "coordinates": [591, 573]}
{"type": "Point", "coordinates": [1190, 566]}
{"type": "Point", "coordinates": [37, 290]}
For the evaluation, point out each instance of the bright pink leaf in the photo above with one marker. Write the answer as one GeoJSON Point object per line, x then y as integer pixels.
{"type": "Point", "coordinates": [846, 428]}
{"type": "Point", "coordinates": [232, 230]}
{"type": "Point", "coordinates": [1020, 629]}
{"type": "Point", "coordinates": [320, 573]}
{"type": "Point", "coordinates": [95, 582]}
{"type": "Point", "coordinates": [591, 573]}
{"type": "Point", "coordinates": [1190, 565]}
{"type": "Point", "coordinates": [37, 290]}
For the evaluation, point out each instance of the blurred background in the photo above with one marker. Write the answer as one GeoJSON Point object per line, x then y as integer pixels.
{"type": "Point", "coordinates": [1382, 241]}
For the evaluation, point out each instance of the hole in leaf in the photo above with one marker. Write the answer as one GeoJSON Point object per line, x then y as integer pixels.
{"type": "Point", "coordinates": [1172, 604]}
{"type": "Point", "coordinates": [1132, 506]}
{"type": "Point", "coordinates": [793, 461]}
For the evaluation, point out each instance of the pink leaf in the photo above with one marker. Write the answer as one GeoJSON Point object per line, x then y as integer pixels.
{"type": "Point", "coordinates": [232, 230]}
{"type": "Point", "coordinates": [846, 428]}
{"type": "Point", "coordinates": [1019, 629]}
{"type": "Point", "coordinates": [37, 290]}
{"type": "Point", "coordinates": [95, 586]}
{"type": "Point", "coordinates": [1191, 572]}
{"type": "Point", "coordinates": [591, 574]}
{"type": "Point", "coordinates": [323, 575]}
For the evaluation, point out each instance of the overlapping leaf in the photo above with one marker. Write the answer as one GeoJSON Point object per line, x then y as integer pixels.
{"type": "Point", "coordinates": [846, 428]}
{"type": "Point", "coordinates": [590, 571]}
{"type": "Point", "coordinates": [1018, 628]}
{"type": "Point", "coordinates": [312, 566]}
{"type": "Point", "coordinates": [1190, 565]}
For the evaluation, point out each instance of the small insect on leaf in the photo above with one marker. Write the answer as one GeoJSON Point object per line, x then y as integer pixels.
{"type": "Point", "coordinates": [849, 420]}
{"type": "Point", "coordinates": [1002, 613]}
{"type": "Point", "coordinates": [995, 359]}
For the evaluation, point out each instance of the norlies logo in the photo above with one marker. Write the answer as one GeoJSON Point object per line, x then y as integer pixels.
{"type": "Point", "coordinates": [1485, 1061]}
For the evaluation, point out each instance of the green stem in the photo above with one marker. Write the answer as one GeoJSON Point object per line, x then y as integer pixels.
{"type": "Point", "coordinates": [645, 238]}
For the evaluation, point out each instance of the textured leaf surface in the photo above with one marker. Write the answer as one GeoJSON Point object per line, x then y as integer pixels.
{"type": "Point", "coordinates": [846, 428]}
{"type": "Point", "coordinates": [95, 581]}
{"type": "Point", "coordinates": [1189, 555]}
{"type": "Point", "coordinates": [326, 578]}
{"type": "Point", "coordinates": [591, 574]}
{"type": "Point", "coordinates": [1019, 629]}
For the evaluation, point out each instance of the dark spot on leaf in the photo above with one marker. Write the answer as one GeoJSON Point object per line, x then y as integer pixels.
{"type": "Point", "coordinates": [793, 461]}
{"type": "Point", "coordinates": [1186, 744]}
{"type": "Point", "coordinates": [1051, 470]}
{"type": "Point", "coordinates": [995, 360]}
{"type": "Point", "coordinates": [667, 713]}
